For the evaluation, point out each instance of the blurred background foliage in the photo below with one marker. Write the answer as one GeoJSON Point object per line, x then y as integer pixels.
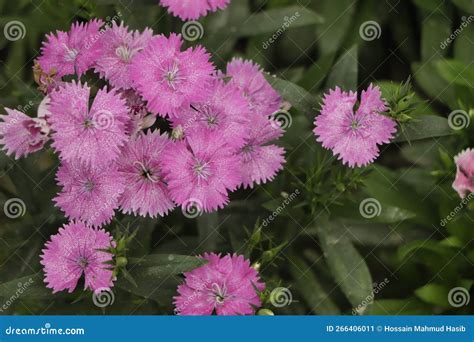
{"type": "Point", "coordinates": [319, 246]}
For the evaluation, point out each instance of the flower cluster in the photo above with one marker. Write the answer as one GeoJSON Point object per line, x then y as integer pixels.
{"type": "Point", "coordinates": [193, 9]}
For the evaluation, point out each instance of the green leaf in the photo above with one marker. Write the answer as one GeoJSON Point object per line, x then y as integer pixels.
{"type": "Point", "coordinates": [463, 43]}
{"type": "Point", "coordinates": [465, 5]}
{"type": "Point", "coordinates": [409, 306]}
{"type": "Point", "coordinates": [296, 95]}
{"type": "Point", "coordinates": [345, 71]}
{"type": "Point", "coordinates": [346, 264]}
{"type": "Point", "coordinates": [456, 72]}
{"type": "Point", "coordinates": [278, 20]}
{"type": "Point", "coordinates": [435, 294]}
{"type": "Point", "coordinates": [424, 127]}
{"type": "Point", "coordinates": [435, 27]}
{"type": "Point", "coordinates": [308, 284]}
{"type": "Point", "coordinates": [31, 286]}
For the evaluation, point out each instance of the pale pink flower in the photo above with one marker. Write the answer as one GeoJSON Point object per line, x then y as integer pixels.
{"type": "Point", "coordinates": [93, 135]}
{"type": "Point", "coordinates": [119, 46]}
{"type": "Point", "coordinates": [200, 169]}
{"type": "Point", "coordinates": [89, 193]}
{"type": "Point", "coordinates": [464, 182]}
{"type": "Point", "coordinates": [145, 191]}
{"type": "Point", "coordinates": [76, 251]}
{"type": "Point", "coordinates": [249, 78]}
{"type": "Point", "coordinates": [73, 52]}
{"type": "Point", "coordinates": [21, 135]}
{"type": "Point", "coordinates": [226, 285]}
{"type": "Point", "coordinates": [170, 79]}
{"type": "Point", "coordinates": [193, 9]}
{"type": "Point", "coordinates": [354, 135]}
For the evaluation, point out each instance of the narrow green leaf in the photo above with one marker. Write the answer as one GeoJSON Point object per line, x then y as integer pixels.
{"type": "Point", "coordinates": [435, 294]}
{"type": "Point", "coordinates": [424, 127]}
{"type": "Point", "coordinates": [456, 72]}
{"type": "Point", "coordinates": [344, 72]}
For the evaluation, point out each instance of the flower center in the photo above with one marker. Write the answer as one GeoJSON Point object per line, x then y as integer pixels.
{"type": "Point", "coordinates": [89, 185]}
{"type": "Point", "coordinates": [124, 53]}
{"type": "Point", "coordinates": [83, 262]}
{"type": "Point", "coordinates": [172, 76]}
{"type": "Point", "coordinates": [202, 169]}
{"type": "Point", "coordinates": [247, 153]}
{"type": "Point", "coordinates": [355, 125]}
{"type": "Point", "coordinates": [88, 123]}
{"type": "Point", "coordinates": [71, 53]}
{"type": "Point", "coordinates": [219, 293]}
{"type": "Point", "coordinates": [146, 172]}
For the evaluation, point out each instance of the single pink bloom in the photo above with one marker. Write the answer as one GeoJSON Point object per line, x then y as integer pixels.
{"type": "Point", "coordinates": [200, 170]}
{"type": "Point", "coordinates": [464, 182]}
{"type": "Point", "coordinates": [354, 135]}
{"type": "Point", "coordinates": [249, 78]}
{"type": "Point", "coordinates": [21, 135]}
{"type": "Point", "coordinates": [170, 79]}
{"type": "Point", "coordinates": [145, 191]}
{"type": "Point", "coordinates": [119, 46]}
{"type": "Point", "coordinates": [259, 161]}
{"type": "Point", "coordinates": [72, 52]}
{"type": "Point", "coordinates": [225, 285]}
{"type": "Point", "coordinates": [193, 9]}
{"type": "Point", "coordinates": [89, 193]}
{"type": "Point", "coordinates": [92, 135]}
{"type": "Point", "coordinates": [74, 251]}
{"type": "Point", "coordinates": [225, 111]}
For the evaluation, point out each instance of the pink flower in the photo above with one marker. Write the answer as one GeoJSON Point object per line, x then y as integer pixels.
{"type": "Point", "coordinates": [464, 182]}
{"type": "Point", "coordinates": [75, 251]}
{"type": "Point", "coordinates": [249, 78]}
{"type": "Point", "coordinates": [260, 161]}
{"type": "Point", "coordinates": [200, 170]}
{"type": "Point", "coordinates": [140, 119]}
{"type": "Point", "coordinates": [21, 135]}
{"type": "Point", "coordinates": [90, 194]}
{"type": "Point", "coordinates": [226, 111]}
{"type": "Point", "coordinates": [145, 192]}
{"type": "Point", "coordinates": [72, 52]}
{"type": "Point", "coordinates": [193, 9]}
{"type": "Point", "coordinates": [354, 135]}
{"type": "Point", "coordinates": [92, 135]}
{"type": "Point", "coordinates": [171, 79]}
{"type": "Point", "coordinates": [225, 285]}
{"type": "Point", "coordinates": [119, 46]}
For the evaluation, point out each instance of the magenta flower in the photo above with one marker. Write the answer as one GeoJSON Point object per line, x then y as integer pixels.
{"type": "Point", "coordinates": [89, 193]}
{"type": "Point", "coordinates": [72, 52]}
{"type": "Point", "coordinates": [193, 9]}
{"type": "Point", "coordinates": [260, 161]}
{"type": "Point", "coordinates": [21, 135]}
{"type": "Point", "coordinates": [354, 136]}
{"type": "Point", "coordinates": [226, 111]}
{"type": "Point", "coordinates": [171, 79]}
{"type": "Point", "coordinates": [249, 78]}
{"type": "Point", "coordinates": [201, 170]}
{"type": "Point", "coordinates": [464, 182]}
{"type": "Point", "coordinates": [74, 251]}
{"type": "Point", "coordinates": [225, 285]}
{"type": "Point", "coordinates": [92, 135]}
{"type": "Point", "coordinates": [145, 192]}
{"type": "Point", "coordinates": [119, 46]}
{"type": "Point", "coordinates": [139, 117]}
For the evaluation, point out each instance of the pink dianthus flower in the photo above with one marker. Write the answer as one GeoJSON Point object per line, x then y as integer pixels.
{"type": "Point", "coordinates": [464, 182]}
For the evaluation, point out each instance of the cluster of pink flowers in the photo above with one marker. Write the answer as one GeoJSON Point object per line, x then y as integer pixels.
{"type": "Point", "coordinates": [113, 156]}
{"type": "Point", "coordinates": [193, 9]}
